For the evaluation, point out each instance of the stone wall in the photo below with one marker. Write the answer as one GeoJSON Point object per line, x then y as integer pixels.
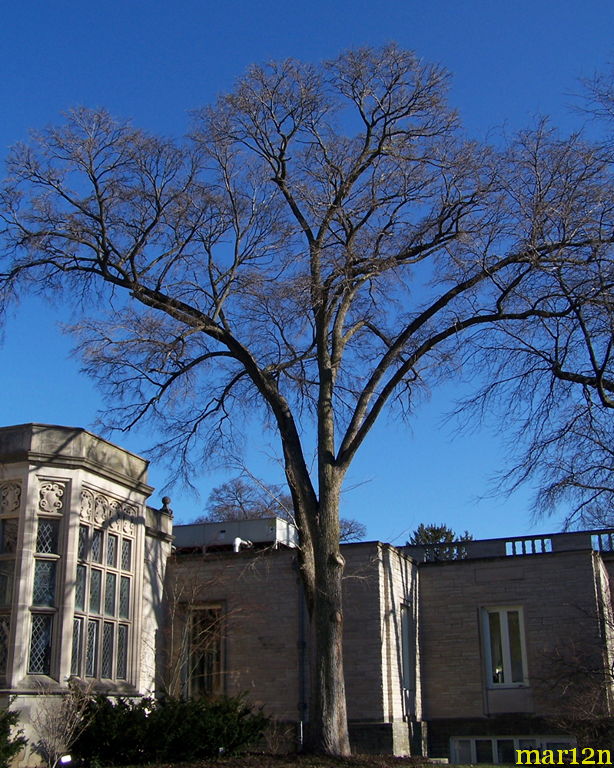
{"type": "Point", "coordinates": [557, 593]}
{"type": "Point", "coordinates": [266, 644]}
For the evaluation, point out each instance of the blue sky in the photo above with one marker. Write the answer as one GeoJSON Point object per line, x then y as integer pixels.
{"type": "Point", "coordinates": [155, 61]}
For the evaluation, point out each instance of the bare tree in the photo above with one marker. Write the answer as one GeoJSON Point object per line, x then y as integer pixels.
{"type": "Point", "coordinates": [58, 720]}
{"type": "Point", "coordinates": [192, 639]}
{"type": "Point", "coordinates": [553, 375]}
{"type": "Point", "coordinates": [321, 247]}
{"type": "Point", "coordinates": [242, 499]}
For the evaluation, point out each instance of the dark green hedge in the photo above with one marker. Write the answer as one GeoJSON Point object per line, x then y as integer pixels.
{"type": "Point", "coordinates": [123, 732]}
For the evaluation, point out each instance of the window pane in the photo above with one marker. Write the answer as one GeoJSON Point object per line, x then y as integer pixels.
{"type": "Point", "coordinates": [124, 598]}
{"type": "Point", "coordinates": [43, 592]}
{"type": "Point", "coordinates": [122, 652]}
{"type": "Point", "coordinates": [95, 590]}
{"type": "Point", "coordinates": [5, 626]}
{"type": "Point", "coordinates": [496, 652]}
{"type": "Point", "coordinates": [109, 594]}
{"type": "Point", "coordinates": [483, 751]}
{"type": "Point", "coordinates": [112, 550]}
{"type": "Point", "coordinates": [8, 536]}
{"type": "Point", "coordinates": [83, 541]}
{"type": "Point", "coordinates": [92, 648]}
{"type": "Point", "coordinates": [463, 751]}
{"type": "Point", "coordinates": [97, 546]}
{"type": "Point", "coordinates": [513, 629]}
{"type": "Point", "coordinates": [126, 554]}
{"type": "Point", "coordinates": [206, 652]}
{"type": "Point", "coordinates": [80, 588]}
{"type": "Point", "coordinates": [47, 536]}
{"type": "Point", "coordinates": [7, 569]}
{"type": "Point", "coordinates": [107, 649]}
{"type": "Point", "coordinates": [505, 751]}
{"type": "Point", "coordinates": [77, 644]}
{"type": "Point", "coordinates": [40, 645]}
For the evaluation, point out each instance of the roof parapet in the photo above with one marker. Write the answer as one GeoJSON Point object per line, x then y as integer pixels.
{"type": "Point", "coordinates": [601, 540]}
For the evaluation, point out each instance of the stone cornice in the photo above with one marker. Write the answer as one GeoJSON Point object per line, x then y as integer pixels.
{"type": "Point", "coordinates": [73, 448]}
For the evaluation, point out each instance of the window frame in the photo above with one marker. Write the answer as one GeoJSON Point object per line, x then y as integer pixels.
{"type": "Point", "coordinates": [529, 741]}
{"type": "Point", "coordinates": [47, 611]}
{"type": "Point", "coordinates": [90, 656]}
{"type": "Point", "coordinates": [8, 566]}
{"type": "Point", "coordinates": [503, 612]}
{"type": "Point", "coordinates": [194, 690]}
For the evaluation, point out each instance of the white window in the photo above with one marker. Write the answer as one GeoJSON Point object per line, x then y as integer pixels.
{"type": "Point", "coordinates": [501, 749]}
{"type": "Point", "coordinates": [504, 647]}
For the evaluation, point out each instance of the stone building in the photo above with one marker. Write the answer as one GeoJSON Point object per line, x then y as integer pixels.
{"type": "Point", "coordinates": [81, 566]}
{"type": "Point", "coordinates": [467, 653]}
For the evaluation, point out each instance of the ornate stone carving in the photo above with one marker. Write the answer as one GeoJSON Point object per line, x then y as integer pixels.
{"type": "Point", "coordinates": [51, 497]}
{"type": "Point", "coordinates": [10, 497]}
{"type": "Point", "coordinates": [87, 505]}
{"type": "Point", "coordinates": [101, 509]}
{"type": "Point", "coordinates": [116, 515]}
{"type": "Point", "coordinates": [128, 514]}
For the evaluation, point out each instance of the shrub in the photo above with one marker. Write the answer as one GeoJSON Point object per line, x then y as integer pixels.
{"type": "Point", "coordinates": [115, 734]}
{"type": "Point", "coordinates": [11, 741]}
{"type": "Point", "coordinates": [171, 730]}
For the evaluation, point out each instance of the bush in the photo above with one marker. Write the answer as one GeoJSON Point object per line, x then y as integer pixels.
{"type": "Point", "coordinates": [115, 734]}
{"type": "Point", "coordinates": [170, 730]}
{"type": "Point", "coordinates": [11, 741]}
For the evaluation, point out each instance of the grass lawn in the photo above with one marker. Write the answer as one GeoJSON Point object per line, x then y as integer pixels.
{"type": "Point", "coordinates": [302, 761]}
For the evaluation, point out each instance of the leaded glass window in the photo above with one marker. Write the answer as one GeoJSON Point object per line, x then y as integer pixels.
{"type": "Point", "coordinates": [126, 555]}
{"type": "Point", "coordinates": [43, 592]}
{"type": "Point", "coordinates": [124, 598]}
{"type": "Point", "coordinates": [40, 644]}
{"type": "Point", "coordinates": [47, 536]}
{"type": "Point", "coordinates": [122, 652]}
{"type": "Point", "coordinates": [83, 542]}
{"type": "Point", "coordinates": [107, 649]}
{"type": "Point", "coordinates": [46, 565]}
{"type": "Point", "coordinates": [7, 570]}
{"type": "Point", "coordinates": [5, 626]}
{"type": "Point", "coordinates": [80, 588]}
{"type": "Point", "coordinates": [103, 594]}
{"type": "Point", "coordinates": [8, 536]}
{"type": "Point", "coordinates": [77, 646]}
{"type": "Point", "coordinates": [96, 553]}
{"type": "Point", "coordinates": [112, 550]}
{"type": "Point", "coordinates": [109, 594]}
{"type": "Point", "coordinates": [95, 590]}
{"type": "Point", "coordinates": [91, 662]}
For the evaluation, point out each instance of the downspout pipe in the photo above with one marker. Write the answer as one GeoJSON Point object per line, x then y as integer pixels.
{"type": "Point", "coordinates": [238, 542]}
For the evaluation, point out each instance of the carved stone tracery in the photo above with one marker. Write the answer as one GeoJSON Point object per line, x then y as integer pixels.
{"type": "Point", "coordinates": [51, 497]}
{"type": "Point", "coordinates": [10, 497]}
{"type": "Point", "coordinates": [116, 515]}
{"type": "Point", "coordinates": [87, 505]}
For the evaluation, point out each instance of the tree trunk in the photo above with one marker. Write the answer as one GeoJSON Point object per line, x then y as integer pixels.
{"type": "Point", "coordinates": [328, 731]}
